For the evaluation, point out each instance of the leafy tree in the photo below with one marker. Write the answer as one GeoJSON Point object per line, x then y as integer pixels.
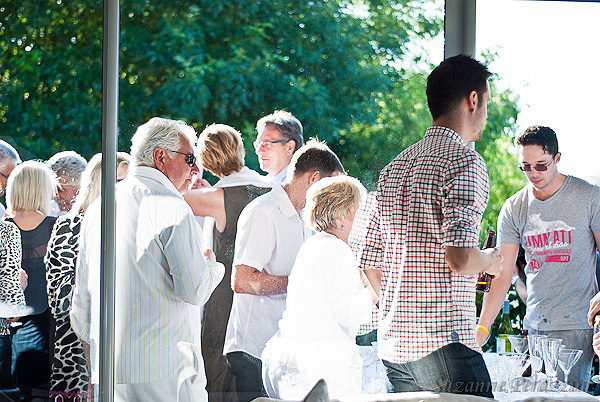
{"type": "Point", "coordinates": [203, 61]}
{"type": "Point", "coordinates": [334, 64]}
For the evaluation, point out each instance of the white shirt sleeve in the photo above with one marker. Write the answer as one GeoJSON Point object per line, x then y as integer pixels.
{"type": "Point", "coordinates": [255, 239]}
{"type": "Point", "coordinates": [194, 279]}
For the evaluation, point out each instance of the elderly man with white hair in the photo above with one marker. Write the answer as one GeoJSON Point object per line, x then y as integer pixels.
{"type": "Point", "coordinates": [9, 158]}
{"type": "Point", "coordinates": [68, 167]}
{"type": "Point", "coordinates": [160, 272]}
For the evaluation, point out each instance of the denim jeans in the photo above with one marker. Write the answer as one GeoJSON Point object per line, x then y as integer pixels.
{"type": "Point", "coordinates": [30, 353]}
{"type": "Point", "coordinates": [579, 376]}
{"type": "Point", "coordinates": [6, 378]}
{"type": "Point", "coordinates": [247, 370]}
{"type": "Point", "coordinates": [453, 368]}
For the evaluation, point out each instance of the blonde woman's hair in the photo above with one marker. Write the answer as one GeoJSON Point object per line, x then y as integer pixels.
{"type": "Point", "coordinates": [123, 160]}
{"type": "Point", "coordinates": [91, 181]}
{"type": "Point", "coordinates": [31, 187]}
{"type": "Point", "coordinates": [221, 150]}
{"type": "Point", "coordinates": [330, 199]}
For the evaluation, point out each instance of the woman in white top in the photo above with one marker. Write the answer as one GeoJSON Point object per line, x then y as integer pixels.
{"type": "Point", "coordinates": [326, 302]}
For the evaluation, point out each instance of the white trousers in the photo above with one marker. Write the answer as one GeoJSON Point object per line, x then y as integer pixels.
{"type": "Point", "coordinates": [162, 390]}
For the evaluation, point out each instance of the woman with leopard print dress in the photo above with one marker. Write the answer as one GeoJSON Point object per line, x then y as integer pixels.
{"type": "Point", "coordinates": [69, 378]}
{"type": "Point", "coordinates": [70, 372]}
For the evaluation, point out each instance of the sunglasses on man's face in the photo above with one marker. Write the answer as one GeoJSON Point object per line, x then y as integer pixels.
{"type": "Point", "coordinates": [539, 168]}
{"type": "Point", "coordinates": [190, 159]}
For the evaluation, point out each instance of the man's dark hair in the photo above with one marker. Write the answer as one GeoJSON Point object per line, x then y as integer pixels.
{"type": "Point", "coordinates": [314, 155]}
{"type": "Point", "coordinates": [543, 136]}
{"type": "Point", "coordinates": [452, 80]}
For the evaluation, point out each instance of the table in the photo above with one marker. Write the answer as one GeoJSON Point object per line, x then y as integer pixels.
{"type": "Point", "coordinates": [528, 388]}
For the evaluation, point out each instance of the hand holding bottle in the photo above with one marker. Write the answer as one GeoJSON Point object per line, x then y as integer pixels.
{"type": "Point", "coordinates": [495, 261]}
{"type": "Point", "coordinates": [484, 281]}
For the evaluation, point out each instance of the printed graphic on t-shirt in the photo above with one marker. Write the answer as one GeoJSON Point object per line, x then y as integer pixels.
{"type": "Point", "coordinates": [547, 242]}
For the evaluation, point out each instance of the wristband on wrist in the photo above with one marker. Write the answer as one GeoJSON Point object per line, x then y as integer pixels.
{"type": "Point", "coordinates": [484, 330]}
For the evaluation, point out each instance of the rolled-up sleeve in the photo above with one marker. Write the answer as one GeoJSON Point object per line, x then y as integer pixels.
{"type": "Point", "coordinates": [466, 197]}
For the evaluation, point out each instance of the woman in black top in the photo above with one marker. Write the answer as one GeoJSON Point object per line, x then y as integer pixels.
{"type": "Point", "coordinates": [30, 189]}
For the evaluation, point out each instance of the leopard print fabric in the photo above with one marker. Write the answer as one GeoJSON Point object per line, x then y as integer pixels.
{"type": "Point", "coordinates": [10, 266]}
{"type": "Point", "coordinates": [69, 380]}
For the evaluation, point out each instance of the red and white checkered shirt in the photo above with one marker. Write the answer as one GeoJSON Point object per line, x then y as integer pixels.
{"type": "Point", "coordinates": [431, 196]}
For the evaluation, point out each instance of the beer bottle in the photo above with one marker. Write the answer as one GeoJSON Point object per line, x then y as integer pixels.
{"type": "Point", "coordinates": [485, 280]}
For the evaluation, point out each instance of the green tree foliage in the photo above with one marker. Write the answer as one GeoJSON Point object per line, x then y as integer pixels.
{"type": "Point", "coordinates": [334, 64]}
{"type": "Point", "coordinates": [203, 61]}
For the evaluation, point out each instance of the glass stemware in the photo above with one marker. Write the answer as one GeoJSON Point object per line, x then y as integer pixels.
{"type": "Point", "coordinates": [535, 350]}
{"type": "Point", "coordinates": [550, 349]}
{"type": "Point", "coordinates": [518, 343]}
{"type": "Point", "coordinates": [567, 359]}
{"type": "Point", "coordinates": [518, 364]}
{"type": "Point", "coordinates": [506, 370]}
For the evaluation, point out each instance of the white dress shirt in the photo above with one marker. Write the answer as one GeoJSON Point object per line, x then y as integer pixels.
{"type": "Point", "coordinates": [243, 177]}
{"type": "Point", "coordinates": [279, 177]}
{"type": "Point", "coordinates": [160, 274]}
{"type": "Point", "coordinates": [270, 233]}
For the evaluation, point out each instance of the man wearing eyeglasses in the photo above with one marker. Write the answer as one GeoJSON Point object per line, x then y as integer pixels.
{"type": "Point", "coordinates": [556, 218]}
{"type": "Point", "coordinates": [279, 136]}
{"type": "Point", "coordinates": [161, 276]}
{"type": "Point", "coordinates": [9, 158]}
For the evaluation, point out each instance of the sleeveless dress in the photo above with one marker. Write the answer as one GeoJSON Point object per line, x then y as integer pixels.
{"type": "Point", "coordinates": [30, 339]}
{"type": "Point", "coordinates": [220, 382]}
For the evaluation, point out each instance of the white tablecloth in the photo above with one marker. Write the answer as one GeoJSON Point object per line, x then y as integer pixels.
{"type": "Point", "coordinates": [527, 388]}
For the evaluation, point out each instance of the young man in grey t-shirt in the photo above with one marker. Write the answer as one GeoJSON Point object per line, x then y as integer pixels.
{"type": "Point", "coordinates": [556, 218]}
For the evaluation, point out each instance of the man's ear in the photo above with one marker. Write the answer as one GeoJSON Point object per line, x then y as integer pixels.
{"type": "Point", "coordinates": [557, 157]}
{"type": "Point", "coordinates": [160, 156]}
{"type": "Point", "coordinates": [314, 177]}
{"type": "Point", "coordinates": [473, 101]}
{"type": "Point", "coordinates": [290, 146]}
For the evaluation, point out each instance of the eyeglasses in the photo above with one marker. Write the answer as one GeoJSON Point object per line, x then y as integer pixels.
{"type": "Point", "coordinates": [3, 175]}
{"type": "Point", "coordinates": [190, 159]}
{"type": "Point", "coordinates": [539, 168]}
{"type": "Point", "coordinates": [266, 144]}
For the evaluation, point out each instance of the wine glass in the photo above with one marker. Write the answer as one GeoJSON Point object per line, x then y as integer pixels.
{"type": "Point", "coordinates": [504, 361]}
{"type": "Point", "coordinates": [518, 343]}
{"type": "Point", "coordinates": [550, 349]}
{"type": "Point", "coordinates": [518, 364]}
{"type": "Point", "coordinates": [567, 359]}
{"type": "Point", "coordinates": [535, 350]}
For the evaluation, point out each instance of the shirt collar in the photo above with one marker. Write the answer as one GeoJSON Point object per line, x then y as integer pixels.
{"type": "Point", "coordinates": [156, 176]}
{"type": "Point", "coordinates": [448, 132]}
{"type": "Point", "coordinates": [279, 177]}
{"type": "Point", "coordinates": [284, 202]}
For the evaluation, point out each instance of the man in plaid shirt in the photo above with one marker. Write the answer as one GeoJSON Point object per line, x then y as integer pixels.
{"type": "Point", "coordinates": [421, 250]}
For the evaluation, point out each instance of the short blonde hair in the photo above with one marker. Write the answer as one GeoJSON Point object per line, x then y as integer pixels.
{"type": "Point", "coordinates": [31, 187]}
{"type": "Point", "coordinates": [123, 159]}
{"type": "Point", "coordinates": [91, 181]}
{"type": "Point", "coordinates": [330, 199]}
{"type": "Point", "coordinates": [221, 150]}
